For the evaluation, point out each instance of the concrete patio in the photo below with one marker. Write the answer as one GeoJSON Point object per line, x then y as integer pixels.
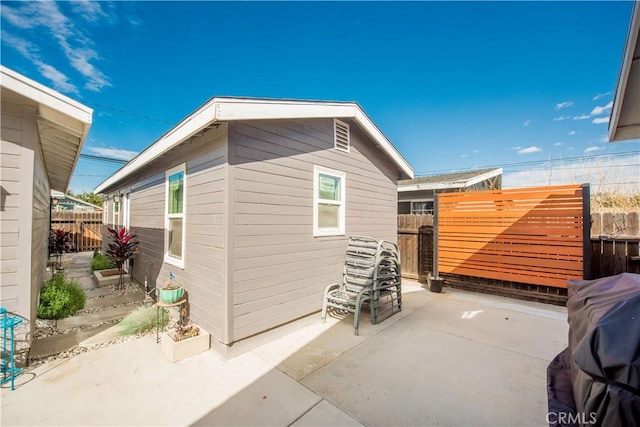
{"type": "Point", "coordinates": [453, 358]}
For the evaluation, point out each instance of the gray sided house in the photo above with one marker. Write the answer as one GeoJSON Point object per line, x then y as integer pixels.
{"type": "Point", "coordinates": [416, 196]}
{"type": "Point", "coordinates": [42, 135]}
{"type": "Point", "coordinates": [624, 122]}
{"type": "Point", "coordinates": [249, 203]}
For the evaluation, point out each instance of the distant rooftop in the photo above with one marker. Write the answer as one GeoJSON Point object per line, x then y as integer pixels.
{"type": "Point", "coordinates": [448, 180]}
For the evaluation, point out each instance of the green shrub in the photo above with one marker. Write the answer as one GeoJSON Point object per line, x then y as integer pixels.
{"type": "Point", "coordinates": [60, 297]}
{"type": "Point", "coordinates": [143, 319]}
{"type": "Point", "coordinates": [101, 262]}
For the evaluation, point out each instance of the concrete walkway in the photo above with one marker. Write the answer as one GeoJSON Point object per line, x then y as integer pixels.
{"type": "Point", "coordinates": [454, 358]}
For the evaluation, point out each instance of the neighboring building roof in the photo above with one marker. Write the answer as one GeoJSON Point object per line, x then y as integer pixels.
{"type": "Point", "coordinates": [448, 180]}
{"type": "Point", "coordinates": [624, 122]}
{"type": "Point", "coordinates": [223, 109]}
{"type": "Point", "coordinates": [63, 124]}
{"type": "Point", "coordinates": [73, 203]}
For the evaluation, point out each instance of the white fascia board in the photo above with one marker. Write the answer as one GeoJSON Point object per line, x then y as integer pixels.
{"type": "Point", "coordinates": [188, 127]}
{"type": "Point", "coordinates": [432, 186]}
{"type": "Point", "coordinates": [43, 95]}
{"type": "Point", "coordinates": [231, 109]}
{"type": "Point", "coordinates": [625, 70]}
{"type": "Point", "coordinates": [228, 110]}
{"type": "Point", "coordinates": [484, 176]}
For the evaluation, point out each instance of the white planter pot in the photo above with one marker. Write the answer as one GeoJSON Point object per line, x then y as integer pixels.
{"type": "Point", "coordinates": [179, 350]}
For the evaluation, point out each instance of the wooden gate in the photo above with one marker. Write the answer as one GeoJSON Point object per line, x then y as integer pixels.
{"type": "Point", "coordinates": [410, 241]}
{"type": "Point", "coordinates": [84, 227]}
{"type": "Point", "coordinates": [534, 235]}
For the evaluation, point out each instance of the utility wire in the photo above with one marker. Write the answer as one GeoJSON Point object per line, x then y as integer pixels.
{"type": "Point", "coordinates": [103, 159]}
{"type": "Point", "coordinates": [535, 162]}
{"type": "Point", "coordinates": [141, 116]}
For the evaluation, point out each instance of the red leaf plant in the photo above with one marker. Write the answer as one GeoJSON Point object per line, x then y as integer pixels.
{"type": "Point", "coordinates": [122, 247]}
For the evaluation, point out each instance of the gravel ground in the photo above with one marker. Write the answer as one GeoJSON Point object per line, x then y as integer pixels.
{"type": "Point", "coordinates": [47, 328]}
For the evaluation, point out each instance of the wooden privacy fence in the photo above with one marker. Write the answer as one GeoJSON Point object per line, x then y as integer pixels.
{"type": "Point", "coordinates": [534, 236]}
{"type": "Point", "coordinates": [410, 243]}
{"type": "Point", "coordinates": [84, 227]}
{"type": "Point", "coordinates": [614, 256]}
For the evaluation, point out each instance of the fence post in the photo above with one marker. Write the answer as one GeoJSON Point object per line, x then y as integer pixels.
{"type": "Point", "coordinates": [586, 232]}
{"type": "Point", "coordinates": [436, 222]}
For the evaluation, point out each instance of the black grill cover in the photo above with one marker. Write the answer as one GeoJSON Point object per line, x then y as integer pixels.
{"type": "Point", "coordinates": [604, 350]}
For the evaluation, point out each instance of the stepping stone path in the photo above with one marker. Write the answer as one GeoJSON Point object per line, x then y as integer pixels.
{"type": "Point", "coordinates": [93, 324]}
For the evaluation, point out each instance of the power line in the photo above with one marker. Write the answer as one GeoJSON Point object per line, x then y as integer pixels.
{"type": "Point", "coordinates": [535, 162]}
{"type": "Point", "coordinates": [141, 116]}
{"type": "Point", "coordinates": [103, 159]}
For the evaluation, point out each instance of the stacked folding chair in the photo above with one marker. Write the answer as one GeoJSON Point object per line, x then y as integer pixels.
{"type": "Point", "coordinates": [371, 276]}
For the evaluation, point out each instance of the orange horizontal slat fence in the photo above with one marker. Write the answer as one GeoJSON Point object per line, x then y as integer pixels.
{"type": "Point", "coordinates": [533, 235]}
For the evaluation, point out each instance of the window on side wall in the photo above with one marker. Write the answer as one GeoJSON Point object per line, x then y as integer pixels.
{"type": "Point", "coordinates": [174, 227]}
{"type": "Point", "coordinates": [116, 212]}
{"type": "Point", "coordinates": [105, 210]}
{"type": "Point", "coordinates": [328, 202]}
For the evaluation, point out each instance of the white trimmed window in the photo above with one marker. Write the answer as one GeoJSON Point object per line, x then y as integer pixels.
{"type": "Point", "coordinates": [116, 212]}
{"type": "Point", "coordinates": [105, 210]}
{"type": "Point", "coordinates": [341, 136]}
{"type": "Point", "coordinates": [174, 224]}
{"type": "Point", "coordinates": [328, 202]}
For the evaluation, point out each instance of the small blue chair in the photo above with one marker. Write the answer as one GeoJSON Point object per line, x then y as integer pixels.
{"type": "Point", "coordinates": [8, 364]}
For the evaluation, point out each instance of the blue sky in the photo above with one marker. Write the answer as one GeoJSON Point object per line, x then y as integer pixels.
{"type": "Point", "coordinates": [454, 85]}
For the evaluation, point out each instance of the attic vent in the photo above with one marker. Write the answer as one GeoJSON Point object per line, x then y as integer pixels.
{"type": "Point", "coordinates": [341, 136]}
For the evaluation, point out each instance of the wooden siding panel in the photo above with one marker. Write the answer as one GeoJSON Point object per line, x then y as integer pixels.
{"type": "Point", "coordinates": [40, 228]}
{"type": "Point", "coordinates": [532, 235]}
{"type": "Point", "coordinates": [280, 269]}
{"type": "Point", "coordinates": [203, 274]}
{"type": "Point", "coordinates": [11, 162]}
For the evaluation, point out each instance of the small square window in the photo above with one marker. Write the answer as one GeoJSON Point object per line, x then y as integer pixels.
{"type": "Point", "coordinates": [328, 202]}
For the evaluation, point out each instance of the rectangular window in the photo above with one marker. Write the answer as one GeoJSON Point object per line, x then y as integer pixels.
{"type": "Point", "coordinates": [422, 208]}
{"type": "Point", "coordinates": [105, 210]}
{"type": "Point", "coordinates": [328, 202]}
{"type": "Point", "coordinates": [116, 212]}
{"type": "Point", "coordinates": [175, 214]}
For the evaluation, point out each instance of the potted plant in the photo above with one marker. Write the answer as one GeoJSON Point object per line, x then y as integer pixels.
{"type": "Point", "coordinates": [171, 292]}
{"type": "Point", "coordinates": [121, 249]}
{"type": "Point", "coordinates": [59, 243]}
{"type": "Point", "coordinates": [181, 342]}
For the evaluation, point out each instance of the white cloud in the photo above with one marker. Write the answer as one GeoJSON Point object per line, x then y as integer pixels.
{"type": "Point", "coordinates": [573, 132]}
{"type": "Point", "coordinates": [464, 155]}
{"type": "Point", "coordinates": [113, 153]}
{"type": "Point", "coordinates": [582, 117]}
{"type": "Point", "coordinates": [90, 10]}
{"type": "Point", "coordinates": [601, 95]}
{"type": "Point", "coordinates": [601, 110]}
{"type": "Point", "coordinates": [527, 122]}
{"type": "Point", "coordinates": [558, 144]}
{"type": "Point", "coordinates": [516, 148]}
{"type": "Point", "coordinates": [603, 172]}
{"type": "Point", "coordinates": [59, 80]}
{"type": "Point", "coordinates": [529, 150]}
{"type": "Point", "coordinates": [561, 118]}
{"type": "Point", "coordinates": [601, 120]}
{"type": "Point", "coordinates": [604, 138]}
{"type": "Point", "coordinates": [592, 149]}
{"type": "Point", "coordinates": [72, 39]}
{"type": "Point", "coordinates": [571, 148]}
{"type": "Point", "coordinates": [476, 151]}
{"type": "Point", "coordinates": [562, 105]}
